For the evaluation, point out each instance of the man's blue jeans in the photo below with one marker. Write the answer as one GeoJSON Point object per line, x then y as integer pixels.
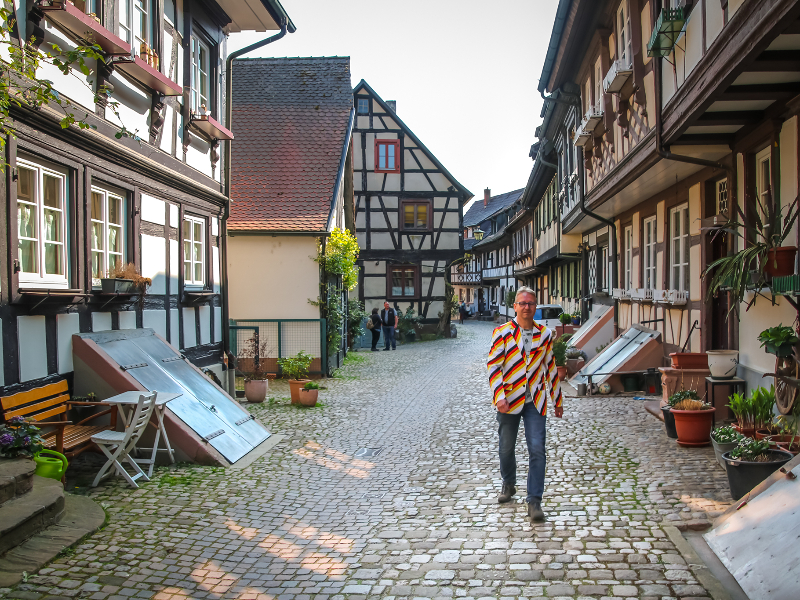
{"type": "Point", "coordinates": [535, 431]}
{"type": "Point", "coordinates": [388, 337]}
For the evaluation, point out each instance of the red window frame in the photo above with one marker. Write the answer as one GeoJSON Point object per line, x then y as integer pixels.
{"type": "Point", "coordinates": [416, 279]}
{"type": "Point", "coordinates": [387, 143]}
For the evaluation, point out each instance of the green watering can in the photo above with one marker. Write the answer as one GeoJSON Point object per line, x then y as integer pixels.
{"type": "Point", "coordinates": [53, 467]}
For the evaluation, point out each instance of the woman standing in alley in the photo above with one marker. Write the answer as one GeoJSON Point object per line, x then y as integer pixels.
{"type": "Point", "coordinates": [375, 321]}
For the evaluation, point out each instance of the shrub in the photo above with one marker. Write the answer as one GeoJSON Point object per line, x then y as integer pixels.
{"type": "Point", "coordinates": [295, 367]}
{"type": "Point", "coordinates": [560, 351]}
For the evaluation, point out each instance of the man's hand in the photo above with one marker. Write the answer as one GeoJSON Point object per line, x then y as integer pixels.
{"type": "Point", "coordinates": [559, 411]}
{"type": "Point", "coordinates": [502, 406]}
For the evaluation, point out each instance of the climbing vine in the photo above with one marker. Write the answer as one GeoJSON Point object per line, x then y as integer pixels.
{"type": "Point", "coordinates": [339, 257]}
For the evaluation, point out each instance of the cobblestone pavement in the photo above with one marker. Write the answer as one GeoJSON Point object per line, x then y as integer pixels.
{"type": "Point", "coordinates": [420, 520]}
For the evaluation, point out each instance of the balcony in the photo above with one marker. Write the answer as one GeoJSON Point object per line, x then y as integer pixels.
{"type": "Point", "coordinates": [81, 27]}
{"type": "Point", "coordinates": [617, 77]}
{"type": "Point", "coordinates": [666, 32]}
{"type": "Point", "coordinates": [642, 294]}
{"type": "Point", "coordinates": [495, 273]}
{"type": "Point", "coordinates": [466, 278]}
{"type": "Point", "coordinates": [210, 127]}
{"type": "Point", "coordinates": [147, 76]}
{"type": "Point", "coordinates": [621, 294]}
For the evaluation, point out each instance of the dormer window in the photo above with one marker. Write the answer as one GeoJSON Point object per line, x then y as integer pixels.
{"type": "Point", "coordinates": [363, 106]}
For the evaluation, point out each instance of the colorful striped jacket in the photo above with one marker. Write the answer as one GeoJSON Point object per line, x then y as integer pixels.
{"type": "Point", "coordinates": [512, 371]}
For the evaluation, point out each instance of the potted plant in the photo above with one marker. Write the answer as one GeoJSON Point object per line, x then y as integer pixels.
{"type": "Point", "coordinates": [576, 358]}
{"type": "Point", "coordinates": [750, 463]}
{"type": "Point", "coordinates": [576, 318]}
{"type": "Point", "coordinates": [724, 439]}
{"type": "Point", "coordinates": [762, 232]}
{"type": "Point", "coordinates": [752, 412]}
{"type": "Point", "coordinates": [778, 340]}
{"type": "Point", "coordinates": [256, 382]}
{"type": "Point", "coordinates": [693, 422]}
{"type": "Point", "coordinates": [689, 360]}
{"type": "Point", "coordinates": [722, 363]}
{"type": "Point", "coordinates": [125, 279]}
{"type": "Point", "coordinates": [295, 368]}
{"type": "Point", "coordinates": [560, 356]}
{"type": "Point", "coordinates": [19, 439]}
{"type": "Point", "coordinates": [669, 418]}
{"type": "Point", "coordinates": [309, 393]}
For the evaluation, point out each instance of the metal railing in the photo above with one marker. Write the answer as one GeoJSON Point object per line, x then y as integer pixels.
{"type": "Point", "coordinates": [278, 338]}
{"type": "Point", "coordinates": [464, 278]}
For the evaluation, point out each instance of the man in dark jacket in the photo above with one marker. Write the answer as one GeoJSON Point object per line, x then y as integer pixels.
{"type": "Point", "coordinates": [390, 321]}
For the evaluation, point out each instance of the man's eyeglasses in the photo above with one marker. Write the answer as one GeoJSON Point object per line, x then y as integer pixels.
{"type": "Point", "coordinates": [525, 304]}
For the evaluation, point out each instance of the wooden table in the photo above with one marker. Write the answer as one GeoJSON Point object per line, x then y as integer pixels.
{"type": "Point", "coordinates": [128, 400]}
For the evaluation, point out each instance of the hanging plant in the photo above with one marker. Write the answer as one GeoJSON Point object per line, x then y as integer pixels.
{"type": "Point", "coordinates": [339, 257]}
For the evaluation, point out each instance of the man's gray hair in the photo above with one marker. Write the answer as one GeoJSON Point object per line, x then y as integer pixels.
{"type": "Point", "coordinates": [524, 290]}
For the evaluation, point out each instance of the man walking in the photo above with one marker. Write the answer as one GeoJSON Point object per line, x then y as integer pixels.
{"type": "Point", "coordinates": [389, 320]}
{"type": "Point", "coordinates": [523, 378]}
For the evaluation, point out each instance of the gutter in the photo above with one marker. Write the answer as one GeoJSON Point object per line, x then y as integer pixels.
{"type": "Point", "coordinates": [342, 161]}
{"type": "Point", "coordinates": [285, 23]}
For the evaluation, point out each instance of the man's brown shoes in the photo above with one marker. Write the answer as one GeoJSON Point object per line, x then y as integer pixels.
{"type": "Point", "coordinates": [506, 493]}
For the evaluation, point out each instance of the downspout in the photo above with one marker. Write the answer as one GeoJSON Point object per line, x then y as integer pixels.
{"type": "Point", "coordinates": [227, 212]}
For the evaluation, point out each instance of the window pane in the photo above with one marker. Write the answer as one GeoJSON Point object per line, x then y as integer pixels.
{"type": "Point", "coordinates": [390, 149]}
{"type": "Point", "coordinates": [97, 236]}
{"type": "Point", "coordinates": [198, 232]}
{"type": "Point", "coordinates": [187, 271]}
{"type": "Point", "coordinates": [397, 282]}
{"type": "Point", "coordinates": [53, 262]}
{"type": "Point", "coordinates": [115, 239]}
{"type": "Point", "coordinates": [114, 260]}
{"type": "Point", "coordinates": [27, 256]}
{"type": "Point", "coordinates": [187, 251]}
{"type": "Point", "coordinates": [52, 191]}
{"type": "Point", "coordinates": [26, 217]}
{"type": "Point", "coordinates": [187, 233]}
{"type": "Point", "coordinates": [97, 206]}
{"type": "Point", "coordinates": [408, 216]}
{"type": "Point", "coordinates": [422, 216]}
{"type": "Point", "coordinates": [115, 210]}
{"type": "Point", "coordinates": [198, 252]}
{"type": "Point", "coordinates": [25, 184]}
{"type": "Point", "coordinates": [409, 287]}
{"type": "Point", "coordinates": [98, 271]}
{"type": "Point", "coordinates": [198, 273]}
{"type": "Point", "coordinates": [382, 156]}
{"type": "Point", "coordinates": [52, 226]}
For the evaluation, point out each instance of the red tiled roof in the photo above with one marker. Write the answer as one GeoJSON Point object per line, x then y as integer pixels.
{"type": "Point", "coordinates": [290, 117]}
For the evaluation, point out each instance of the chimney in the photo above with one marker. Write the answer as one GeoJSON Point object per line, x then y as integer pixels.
{"type": "Point", "coordinates": [392, 104]}
{"type": "Point", "coordinates": [487, 193]}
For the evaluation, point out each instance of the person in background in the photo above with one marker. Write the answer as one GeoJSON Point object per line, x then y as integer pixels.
{"type": "Point", "coordinates": [390, 322]}
{"type": "Point", "coordinates": [375, 320]}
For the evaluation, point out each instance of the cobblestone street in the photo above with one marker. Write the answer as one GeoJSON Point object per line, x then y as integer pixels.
{"type": "Point", "coordinates": [311, 520]}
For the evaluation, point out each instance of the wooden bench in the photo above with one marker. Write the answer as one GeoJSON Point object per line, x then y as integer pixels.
{"type": "Point", "coordinates": [52, 400]}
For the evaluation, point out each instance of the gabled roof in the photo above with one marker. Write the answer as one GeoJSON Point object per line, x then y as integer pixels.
{"type": "Point", "coordinates": [363, 85]}
{"type": "Point", "coordinates": [293, 119]}
{"type": "Point", "coordinates": [478, 213]}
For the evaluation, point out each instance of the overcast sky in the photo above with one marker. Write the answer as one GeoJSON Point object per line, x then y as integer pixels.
{"type": "Point", "coordinates": [464, 73]}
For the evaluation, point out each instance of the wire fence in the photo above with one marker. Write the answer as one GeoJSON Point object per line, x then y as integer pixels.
{"type": "Point", "coordinates": [274, 339]}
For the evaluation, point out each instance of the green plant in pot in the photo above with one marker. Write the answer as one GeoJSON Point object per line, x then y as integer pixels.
{"type": "Point", "coordinates": [741, 406]}
{"type": "Point", "coordinates": [407, 324]}
{"type": "Point", "coordinates": [669, 418]}
{"type": "Point", "coordinates": [750, 463]}
{"type": "Point", "coordinates": [309, 394]}
{"type": "Point", "coordinates": [778, 340]}
{"type": "Point", "coordinates": [295, 369]}
{"type": "Point", "coordinates": [253, 357]}
{"type": "Point", "coordinates": [576, 317]}
{"type": "Point", "coordinates": [560, 356]}
{"type": "Point", "coordinates": [724, 438]}
{"type": "Point", "coordinates": [693, 421]}
{"type": "Point", "coordinates": [565, 318]}
{"type": "Point", "coordinates": [761, 232]}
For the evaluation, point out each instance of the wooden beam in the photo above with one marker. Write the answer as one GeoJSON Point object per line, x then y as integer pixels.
{"type": "Point", "coordinates": [738, 117]}
{"type": "Point", "coordinates": [768, 91]}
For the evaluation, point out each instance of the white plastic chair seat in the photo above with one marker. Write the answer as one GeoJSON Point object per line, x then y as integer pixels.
{"type": "Point", "coordinates": [109, 437]}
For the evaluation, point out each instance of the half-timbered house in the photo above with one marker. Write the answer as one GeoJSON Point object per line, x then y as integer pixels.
{"type": "Point", "coordinates": [409, 211]}
{"type": "Point", "coordinates": [80, 201]}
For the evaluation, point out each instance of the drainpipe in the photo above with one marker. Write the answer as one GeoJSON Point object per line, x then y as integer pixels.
{"type": "Point", "coordinates": [227, 212]}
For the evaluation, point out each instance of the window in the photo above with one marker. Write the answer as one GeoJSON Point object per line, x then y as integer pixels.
{"type": "Point", "coordinates": [416, 215]}
{"type": "Point", "coordinates": [90, 7]}
{"type": "Point", "coordinates": [628, 283]}
{"type": "Point", "coordinates": [598, 86]}
{"type": "Point", "coordinates": [363, 106]}
{"type": "Point", "coordinates": [134, 22]}
{"type": "Point", "coordinates": [624, 52]}
{"type": "Point", "coordinates": [403, 281]}
{"type": "Point", "coordinates": [387, 156]}
{"type": "Point", "coordinates": [722, 197]}
{"type": "Point", "coordinates": [587, 95]}
{"type": "Point", "coordinates": [763, 179]}
{"type": "Point", "coordinates": [650, 253]}
{"type": "Point", "coordinates": [41, 225]}
{"type": "Point", "coordinates": [108, 243]}
{"type": "Point", "coordinates": [592, 271]}
{"type": "Point", "coordinates": [679, 248]}
{"type": "Point", "coordinates": [193, 251]}
{"type": "Point", "coordinates": [605, 269]}
{"type": "Point", "coordinates": [201, 83]}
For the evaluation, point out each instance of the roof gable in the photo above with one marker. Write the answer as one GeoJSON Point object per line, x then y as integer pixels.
{"type": "Point", "coordinates": [478, 213]}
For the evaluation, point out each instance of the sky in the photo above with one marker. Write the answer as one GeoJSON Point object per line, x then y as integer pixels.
{"type": "Point", "coordinates": [464, 73]}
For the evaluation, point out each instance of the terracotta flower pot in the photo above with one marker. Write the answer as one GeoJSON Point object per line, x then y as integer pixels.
{"type": "Point", "coordinates": [746, 432]}
{"type": "Point", "coordinates": [295, 385]}
{"type": "Point", "coordinates": [255, 390]}
{"type": "Point", "coordinates": [562, 373]}
{"type": "Point", "coordinates": [794, 449]}
{"type": "Point", "coordinates": [694, 426]}
{"type": "Point", "coordinates": [689, 360]}
{"type": "Point", "coordinates": [308, 398]}
{"type": "Point", "coordinates": [780, 261]}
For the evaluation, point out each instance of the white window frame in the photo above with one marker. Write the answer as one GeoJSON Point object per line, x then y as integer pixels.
{"type": "Point", "coordinates": [628, 284]}
{"type": "Point", "coordinates": [605, 257]}
{"type": "Point", "coordinates": [650, 237]}
{"type": "Point", "coordinates": [624, 45]}
{"type": "Point", "coordinates": [587, 95]}
{"type": "Point", "coordinates": [40, 279]}
{"type": "Point", "coordinates": [763, 178]}
{"type": "Point", "coordinates": [130, 28]}
{"type": "Point", "coordinates": [106, 228]}
{"type": "Point", "coordinates": [680, 216]}
{"type": "Point", "coordinates": [200, 96]}
{"type": "Point", "coordinates": [189, 222]}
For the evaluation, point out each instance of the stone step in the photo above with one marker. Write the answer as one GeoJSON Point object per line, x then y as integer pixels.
{"type": "Point", "coordinates": [16, 478]}
{"type": "Point", "coordinates": [26, 515]}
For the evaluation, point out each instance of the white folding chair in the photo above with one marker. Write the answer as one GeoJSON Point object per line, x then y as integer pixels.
{"type": "Point", "coordinates": [117, 445]}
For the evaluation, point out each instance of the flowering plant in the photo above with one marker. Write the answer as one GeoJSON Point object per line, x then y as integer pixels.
{"type": "Point", "coordinates": [19, 438]}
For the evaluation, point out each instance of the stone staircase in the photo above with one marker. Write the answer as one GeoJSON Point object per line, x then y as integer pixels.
{"type": "Point", "coordinates": [37, 519]}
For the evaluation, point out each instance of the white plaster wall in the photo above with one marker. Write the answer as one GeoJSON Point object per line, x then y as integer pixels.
{"type": "Point", "coordinates": [127, 319]}
{"type": "Point", "coordinates": [153, 210]}
{"type": "Point", "coordinates": [693, 38]}
{"type": "Point", "coordinates": [714, 21]}
{"type": "Point", "coordinates": [174, 327]}
{"type": "Point", "coordinates": [788, 148]}
{"type": "Point", "coordinates": [668, 80]}
{"type": "Point", "coordinates": [733, 6]}
{"type": "Point", "coordinates": [440, 181]}
{"type": "Point", "coordinates": [215, 268]}
{"type": "Point", "coordinates": [101, 321]}
{"type": "Point", "coordinates": [214, 226]}
{"type": "Point", "coordinates": [174, 215]}
{"type": "Point", "coordinates": [174, 266]}
{"type": "Point", "coordinates": [357, 162]}
{"type": "Point", "coordinates": [416, 182]}
{"type": "Point", "coordinates": [217, 324]}
{"type": "Point", "coordinates": [450, 220]}
{"type": "Point", "coordinates": [32, 340]}
{"type": "Point", "coordinates": [284, 288]}
{"type": "Point", "coordinates": [390, 202]}
{"type": "Point", "coordinates": [197, 156]}
{"type": "Point", "coordinates": [76, 86]}
{"type": "Point", "coordinates": [205, 324]}
{"type": "Point", "coordinates": [155, 320]}
{"type": "Point", "coordinates": [380, 241]}
{"type": "Point", "coordinates": [423, 159]}
{"type": "Point", "coordinates": [189, 329]}
{"type": "Point", "coordinates": [67, 324]}
{"type": "Point", "coordinates": [154, 262]}
{"type": "Point", "coordinates": [448, 241]}
{"type": "Point", "coordinates": [374, 286]}
{"type": "Point", "coordinates": [392, 182]}
{"type": "Point", "coordinates": [753, 322]}
{"type": "Point", "coordinates": [134, 104]}
{"type": "Point", "coordinates": [374, 181]}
